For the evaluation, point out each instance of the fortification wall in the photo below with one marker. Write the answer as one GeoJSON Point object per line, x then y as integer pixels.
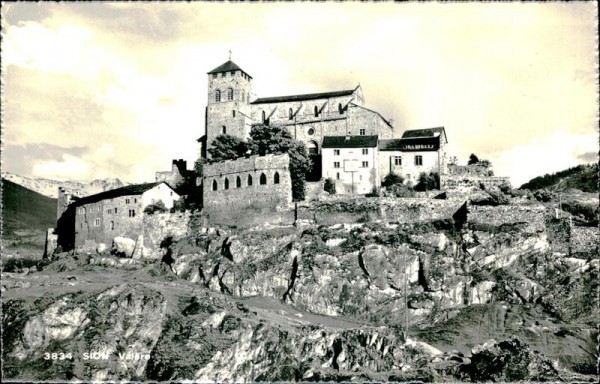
{"type": "Point", "coordinates": [159, 226]}
{"type": "Point", "coordinates": [389, 209]}
{"type": "Point", "coordinates": [469, 170]}
{"type": "Point", "coordinates": [258, 182]}
{"type": "Point", "coordinates": [466, 184]}
{"type": "Point", "coordinates": [584, 240]}
{"type": "Point", "coordinates": [532, 215]}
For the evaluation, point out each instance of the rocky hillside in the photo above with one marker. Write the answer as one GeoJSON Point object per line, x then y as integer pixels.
{"type": "Point", "coordinates": [49, 187]}
{"type": "Point", "coordinates": [450, 299]}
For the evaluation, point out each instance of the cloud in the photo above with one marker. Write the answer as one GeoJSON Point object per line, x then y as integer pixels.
{"type": "Point", "coordinates": [589, 157]}
{"type": "Point", "coordinates": [127, 81]}
{"type": "Point", "coordinates": [70, 167]}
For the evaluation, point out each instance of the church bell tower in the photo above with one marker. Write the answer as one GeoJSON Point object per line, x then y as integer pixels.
{"type": "Point", "coordinates": [228, 109]}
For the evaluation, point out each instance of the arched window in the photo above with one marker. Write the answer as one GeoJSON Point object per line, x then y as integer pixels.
{"type": "Point", "coordinates": [316, 111]}
{"type": "Point", "coordinates": [263, 179]}
{"type": "Point", "coordinates": [340, 109]}
{"type": "Point", "coordinates": [230, 94]}
{"type": "Point", "coordinates": [291, 114]}
{"type": "Point", "coordinates": [312, 147]}
{"type": "Point", "coordinates": [238, 182]}
{"type": "Point", "coordinates": [276, 178]}
{"type": "Point", "coordinates": [226, 183]}
{"type": "Point", "coordinates": [214, 185]}
{"type": "Point", "coordinates": [217, 95]}
{"type": "Point", "coordinates": [249, 180]}
{"type": "Point", "coordinates": [264, 116]}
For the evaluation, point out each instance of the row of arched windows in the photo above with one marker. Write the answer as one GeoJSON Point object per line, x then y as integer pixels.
{"type": "Point", "coordinates": [238, 181]}
{"type": "Point", "coordinates": [229, 95]}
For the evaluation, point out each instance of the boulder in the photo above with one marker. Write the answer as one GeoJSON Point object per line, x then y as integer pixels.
{"type": "Point", "coordinates": [101, 248]}
{"type": "Point", "coordinates": [123, 246]}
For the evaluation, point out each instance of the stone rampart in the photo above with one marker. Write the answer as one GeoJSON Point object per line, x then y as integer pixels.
{"type": "Point", "coordinates": [532, 215]}
{"type": "Point", "coordinates": [469, 170]}
{"type": "Point", "coordinates": [159, 226]}
{"type": "Point", "coordinates": [389, 209]}
{"type": "Point", "coordinates": [466, 183]}
{"type": "Point", "coordinates": [584, 240]}
{"type": "Point", "coordinates": [258, 182]}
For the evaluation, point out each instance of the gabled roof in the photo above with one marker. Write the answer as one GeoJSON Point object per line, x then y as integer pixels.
{"type": "Point", "coordinates": [226, 67]}
{"type": "Point", "coordinates": [428, 132]}
{"type": "Point", "coordinates": [308, 96]}
{"type": "Point", "coordinates": [350, 141]}
{"type": "Point", "coordinates": [128, 190]}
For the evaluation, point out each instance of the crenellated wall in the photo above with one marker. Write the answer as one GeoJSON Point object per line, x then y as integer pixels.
{"type": "Point", "coordinates": [235, 184]}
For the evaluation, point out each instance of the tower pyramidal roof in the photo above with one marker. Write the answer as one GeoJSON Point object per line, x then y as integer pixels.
{"type": "Point", "coordinates": [226, 67]}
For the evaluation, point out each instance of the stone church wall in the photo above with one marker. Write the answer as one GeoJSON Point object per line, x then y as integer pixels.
{"type": "Point", "coordinates": [230, 195]}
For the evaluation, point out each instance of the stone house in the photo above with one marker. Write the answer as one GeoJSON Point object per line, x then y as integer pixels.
{"type": "Point", "coordinates": [232, 109]}
{"type": "Point", "coordinates": [352, 163]}
{"type": "Point", "coordinates": [417, 151]}
{"type": "Point", "coordinates": [119, 212]}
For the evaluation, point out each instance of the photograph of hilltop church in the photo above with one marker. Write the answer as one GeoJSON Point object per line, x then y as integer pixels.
{"type": "Point", "coordinates": [300, 192]}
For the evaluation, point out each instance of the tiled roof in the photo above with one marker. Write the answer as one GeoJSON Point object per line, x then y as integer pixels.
{"type": "Point", "coordinates": [350, 141]}
{"type": "Point", "coordinates": [128, 190]}
{"type": "Point", "coordinates": [226, 67]}
{"type": "Point", "coordinates": [308, 96]}
{"type": "Point", "coordinates": [428, 132]}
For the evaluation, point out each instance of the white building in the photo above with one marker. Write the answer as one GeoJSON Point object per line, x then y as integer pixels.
{"type": "Point", "coordinates": [418, 151]}
{"type": "Point", "coordinates": [351, 162]}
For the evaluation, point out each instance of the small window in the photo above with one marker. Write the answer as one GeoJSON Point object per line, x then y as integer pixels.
{"type": "Point", "coordinates": [397, 160]}
{"type": "Point", "coordinates": [214, 186]}
{"type": "Point", "coordinates": [98, 208]}
{"type": "Point", "coordinates": [226, 183]}
{"type": "Point", "coordinates": [230, 94]}
{"type": "Point", "coordinates": [337, 175]}
{"type": "Point", "coordinates": [215, 75]}
{"type": "Point", "coordinates": [336, 152]}
{"type": "Point", "coordinates": [418, 160]}
{"type": "Point", "coordinates": [291, 114]}
{"type": "Point", "coordinates": [249, 180]}
{"type": "Point", "coordinates": [171, 193]}
{"type": "Point", "coordinates": [340, 109]}
{"type": "Point", "coordinates": [264, 117]}
{"type": "Point", "coordinates": [217, 96]}
{"type": "Point", "coordinates": [362, 132]}
{"type": "Point", "coordinates": [311, 131]}
{"type": "Point", "coordinates": [232, 73]}
{"type": "Point", "coordinates": [233, 113]}
{"type": "Point", "coordinates": [263, 179]}
{"type": "Point", "coordinates": [243, 96]}
{"type": "Point", "coordinates": [115, 210]}
{"type": "Point", "coordinates": [132, 213]}
{"type": "Point", "coordinates": [112, 225]}
{"type": "Point", "coordinates": [365, 151]}
{"type": "Point", "coordinates": [336, 164]}
{"type": "Point", "coordinates": [127, 201]}
{"type": "Point", "coordinates": [135, 201]}
{"type": "Point", "coordinates": [224, 130]}
{"type": "Point", "coordinates": [109, 211]}
{"type": "Point", "coordinates": [276, 178]}
{"type": "Point", "coordinates": [316, 111]}
{"type": "Point", "coordinates": [365, 164]}
{"type": "Point", "coordinates": [96, 222]}
{"type": "Point", "coordinates": [238, 182]}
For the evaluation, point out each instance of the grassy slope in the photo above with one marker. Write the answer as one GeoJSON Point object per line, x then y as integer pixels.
{"type": "Point", "coordinates": [25, 217]}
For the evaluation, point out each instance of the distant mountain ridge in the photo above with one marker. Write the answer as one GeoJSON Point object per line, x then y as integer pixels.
{"type": "Point", "coordinates": [49, 188]}
{"type": "Point", "coordinates": [26, 210]}
{"type": "Point", "coordinates": [583, 177]}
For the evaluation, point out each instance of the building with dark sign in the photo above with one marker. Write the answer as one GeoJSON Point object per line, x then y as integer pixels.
{"type": "Point", "coordinates": [417, 151]}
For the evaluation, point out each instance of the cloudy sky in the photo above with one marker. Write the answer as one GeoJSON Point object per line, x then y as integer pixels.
{"type": "Point", "coordinates": [95, 90]}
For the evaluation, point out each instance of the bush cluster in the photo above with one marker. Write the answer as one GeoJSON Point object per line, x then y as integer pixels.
{"type": "Point", "coordinates": [158, 206]}
{"type": "Point", "coordinates": [329, 186]}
